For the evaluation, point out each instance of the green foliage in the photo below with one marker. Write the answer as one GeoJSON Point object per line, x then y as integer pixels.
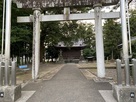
{"type": "Point", "coordinates": [50, 36]}
{"type": "Point", "coordinates": [87, 35]}
{"type": "Point", "coordinates": [133, 30]}
{"type": "Point", "coordinates": [69, 31]}
{"type": "Point", "coordinates": [1, 19]}
{"type": "Point", "coordinates": [134, 49]}
{"type": "Point", "coordinates": [72, 31]}
{"type": "Point", "coordinates": [1, 11]}
{"type": "Point", "coordinates": [87, 52]}
{"type": "Point", "coordinates": [51, 32]}
{"type": "Point", "coordinates": [112, 38]}
{"type": "Point", "coordinates": [21, 35]}
{"type": "Point", "coordinates": [52, 52]}
{"type": "Point", "coordinates": [133, 23]}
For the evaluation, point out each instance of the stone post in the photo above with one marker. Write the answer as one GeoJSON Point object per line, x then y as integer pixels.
{"type": "Point", "coordinates": [36, 43]}
{"type": "Point", "coordinates": [125, 41]}
{"type": "Point", "coordinates": [99, 41]}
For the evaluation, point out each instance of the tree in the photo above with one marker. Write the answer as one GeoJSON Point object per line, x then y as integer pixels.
{"type": "Point", "coordinates": [134, 49]}
{"type": "Point", "coordinates": [1, 20]}
{"type": "Point", "coordinates": [50, 36]}
{"type": "Point", "coordinates": [133, 30]}
{"type": "Point", "coordinates": [112, 38]}
{"type": "Point", "coordinates": [1, 11]}
{"type": "Point", "coordinates": [21, 35]}
{"type": "Point", "coordinates": [133, 23]}
{"type": "Point", "coordinates": [52, 53]}
{"type": "Point", "coordinates": [68, 29]}
{"type": "Point", "coordinates": [87, 52]}
{"type": "Point", "coordinates": [86, 33]}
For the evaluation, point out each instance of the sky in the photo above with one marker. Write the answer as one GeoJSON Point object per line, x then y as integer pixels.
{"type": "Point", "coordinates": [104, 9]}
{"type": "Point", "coordinates": [132, 5]}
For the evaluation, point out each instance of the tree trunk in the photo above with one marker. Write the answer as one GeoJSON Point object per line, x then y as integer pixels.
{"type": "Point", "coordinates": [26, 59]}
{"type": "Point", "coordinates": [112, 55]}
{"type": "Point", "coordinates": [22, 60]}
{"type": "Point", "coordinates": [18, 60]}
{"type": "Point", "coordinates": [41, 51]}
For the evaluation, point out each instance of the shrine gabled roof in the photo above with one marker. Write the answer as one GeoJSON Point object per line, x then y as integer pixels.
{"type": "Point", "coordinates": [62, 3]}
{"type": "Point", "coordinates": [79, 43]}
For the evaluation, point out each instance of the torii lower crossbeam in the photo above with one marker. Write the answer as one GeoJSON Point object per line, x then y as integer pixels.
{"type": "Point", "coordinates": [62, 17]}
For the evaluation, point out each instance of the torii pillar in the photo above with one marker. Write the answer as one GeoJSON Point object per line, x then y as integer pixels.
{"type": "Point", "coordinates": [36, 43]}
{"type": "Point", "coordinates": [99, 41]}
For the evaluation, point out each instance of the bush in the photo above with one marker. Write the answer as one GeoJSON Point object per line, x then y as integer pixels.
{"type": "Point", "coordinates": [87, 52]}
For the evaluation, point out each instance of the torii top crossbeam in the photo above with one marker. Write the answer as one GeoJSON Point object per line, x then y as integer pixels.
{"type": "Point", "coordinates": [62, 3]}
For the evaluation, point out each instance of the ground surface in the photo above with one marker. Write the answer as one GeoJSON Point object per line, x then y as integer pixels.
{"type": "Point", "coordinates": [48, 70]}
{"type": "Point", "coordinates": [67, 83]}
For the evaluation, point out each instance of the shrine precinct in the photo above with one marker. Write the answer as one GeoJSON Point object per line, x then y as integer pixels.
{"type": "Point", "coordinates": [37, 17]}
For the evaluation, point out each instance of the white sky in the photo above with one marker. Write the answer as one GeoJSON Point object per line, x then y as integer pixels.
{"type": "Point", "coordinates": [104, 9]}
{"type": "Point", "coordinates": [132, 5]}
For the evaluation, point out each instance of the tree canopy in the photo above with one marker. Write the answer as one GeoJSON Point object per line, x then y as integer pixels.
{"type": "Point", "coordinates": [133, 31]}
{"type": "Point", "coordinates": [51, 32]}
{"type": "Point", "coordinates": [112, 38]}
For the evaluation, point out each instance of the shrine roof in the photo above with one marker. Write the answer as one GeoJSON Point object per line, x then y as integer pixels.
{"type": "Point", "coordinates": [79, 43]}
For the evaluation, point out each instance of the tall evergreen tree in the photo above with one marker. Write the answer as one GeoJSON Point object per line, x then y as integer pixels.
{"type": "Point", "coordinates": [112, 38]}
{"type": "Point", "coordinates": [133, 31]}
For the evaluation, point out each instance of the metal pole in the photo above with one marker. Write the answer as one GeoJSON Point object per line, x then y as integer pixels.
{"type": "Point", "coordinates": [3, 27]}
{"type": "Point", "coordinates": [7, 40]}
{"type": "Point", "coordinates": [125, 41]}
{"type": "Point", "coordinates": [99, 41]}
{"type": "Point", "coordinates": [119, 76]}
{"type": "Point", "coordinates": [1, 74]}
{"type": "Point", "coordinates": [134, 71]}
{"type": "Point", "coordinates": [13, 73]}
{"type": "Point", "coordinates": [36, 43]}
{"type": "Point", "coordinates": [8, 29]}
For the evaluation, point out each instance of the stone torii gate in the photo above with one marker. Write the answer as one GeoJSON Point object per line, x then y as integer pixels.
{"type": "Point", "coordinates": [11, 93]}
{"type": "Point", "coordinates": [37, 17]}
